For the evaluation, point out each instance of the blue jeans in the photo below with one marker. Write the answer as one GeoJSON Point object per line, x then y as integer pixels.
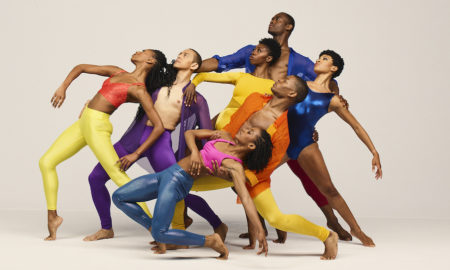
{"type": "Point", "coordinates": [169, 186]}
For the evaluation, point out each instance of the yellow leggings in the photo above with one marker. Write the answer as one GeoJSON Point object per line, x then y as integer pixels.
{"type": "Point", "coordinates": [93, 129]}
{"type": "Point", "coordinates": [267, 207]}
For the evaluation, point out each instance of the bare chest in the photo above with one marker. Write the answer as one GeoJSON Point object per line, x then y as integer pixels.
{"type": "Point", "coordinates": [169, 98]}
{"type": "Point", "coordinates": [280, 69]}
{"type": "Point", "coordinates": [263, 118]}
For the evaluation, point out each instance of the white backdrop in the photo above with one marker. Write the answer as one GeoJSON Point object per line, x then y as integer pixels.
{"type": "Point", "coordinates": [395, 79]}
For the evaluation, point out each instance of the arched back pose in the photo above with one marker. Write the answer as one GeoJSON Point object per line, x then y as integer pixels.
{"type": "Point", "coordinates": [303, 117]}
{"type": "Point", "coordinates": [171, 109]}
{"type": "Point", "coordinates": [250, 147]}
{"type": "Point", "coordinates": [94, 128]}
{"type": "Point", "coordinates": [270, 113]}
{"type": "Point", "coordinates": [290, 62]}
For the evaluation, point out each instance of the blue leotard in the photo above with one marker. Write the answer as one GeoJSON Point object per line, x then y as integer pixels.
{"type": "Point", "coordinates": [302, 118]}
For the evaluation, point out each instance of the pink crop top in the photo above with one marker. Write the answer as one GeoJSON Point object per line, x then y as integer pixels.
{"type": "Point", "coordinates": [210, 153]}
{"type": "Point", "coordinates": [116, 93]}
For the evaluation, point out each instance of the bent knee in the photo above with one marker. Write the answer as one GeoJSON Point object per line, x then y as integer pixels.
{"type": "Point", "coordinates": [46, 163]}
{"type": "Point", "coordinates": [275, 219]}
{"type": "Point", "coordinates": [158, 235]}
{"type": "Point", "coordinates": [330, 191]}
{"type": "Point", "coordinates": [117, 198]}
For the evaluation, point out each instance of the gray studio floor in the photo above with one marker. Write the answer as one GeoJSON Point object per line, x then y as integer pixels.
{"type": "Point", "coordinates": [401, 244]}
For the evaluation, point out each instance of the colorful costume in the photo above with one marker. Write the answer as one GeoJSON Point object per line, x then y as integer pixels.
{"type": "Point", "coordinates": [169, 186]}
{"type": "Point", "coordinates": [245, 84]}
{"type": "Point", "coordinates": [93, 129]}
{"type": "Point", "coordinates": [160, 154]}
{"type": "Point", "coordinates": [302, 118]}
{"type": "Point", "coordinates": [297, 65]}
{"type": "Point", "coordinates": [259, 187]}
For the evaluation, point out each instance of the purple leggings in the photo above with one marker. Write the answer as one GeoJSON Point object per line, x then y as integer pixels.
{"type": "Point", "coordinates": [201, 207]}
{"type": "Point", "coordinates": [160, 155]}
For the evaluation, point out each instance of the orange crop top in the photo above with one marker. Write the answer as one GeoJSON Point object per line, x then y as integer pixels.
{"type": "Point", "coordinates": [116, 93]}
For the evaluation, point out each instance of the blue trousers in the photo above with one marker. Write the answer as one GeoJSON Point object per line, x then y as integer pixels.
{"type": "Point", "coordinates": [169, 186]}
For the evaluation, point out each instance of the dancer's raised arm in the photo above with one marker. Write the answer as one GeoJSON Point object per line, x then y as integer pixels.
{"type": "Point", "coordinates": [338, 106]}
{"type": "Point", "coordinates": [60, 94]}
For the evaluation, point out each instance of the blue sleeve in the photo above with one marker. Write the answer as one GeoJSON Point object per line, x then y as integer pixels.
{"type": "Point", "coordinates": [235, 60]}
{"type": "Point", "coordinates": [303, 67]}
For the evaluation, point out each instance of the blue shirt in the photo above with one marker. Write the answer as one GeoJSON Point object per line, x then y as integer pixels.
{"type": "Point", "coordinates": [298, 64]}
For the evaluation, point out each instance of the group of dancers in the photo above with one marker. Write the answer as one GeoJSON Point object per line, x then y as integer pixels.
{"type": "Point", "coordinates": [270, 120]}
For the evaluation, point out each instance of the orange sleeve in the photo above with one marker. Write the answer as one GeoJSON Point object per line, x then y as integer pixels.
{"type": "Point", "coordinates": [251, 104]}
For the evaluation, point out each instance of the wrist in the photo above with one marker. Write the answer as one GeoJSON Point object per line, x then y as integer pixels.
{"type": "Point", "coordinates": [374, 153]}
{"type": "Point", "coordinates": [137, 153]}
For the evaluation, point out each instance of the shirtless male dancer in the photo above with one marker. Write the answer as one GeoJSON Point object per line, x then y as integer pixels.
{"type": "Point", "coordinates": [290, 62]}
{"type": "Point", "coordinates": [168, 102]}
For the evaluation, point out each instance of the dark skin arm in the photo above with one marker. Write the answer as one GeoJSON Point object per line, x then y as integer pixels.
{"type": "Point", "coordinates": [60, 94]}
{"type": "Point", "coordinates": [140, 94]}
{"type": "Point", "coordinates": [191, 136]}
{"type": "Point", "coordinates": [208, 65]}
{"type": "Point", "coordinates": [341, 110]}
{"type": "Point", "coordinates": [236, 171]}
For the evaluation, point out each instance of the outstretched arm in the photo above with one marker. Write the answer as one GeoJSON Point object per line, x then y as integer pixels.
{"type": "Point", "coordinates": [146, 102]}
{"type": "Point", "coordinates": [219, 64]}
{"type": "Point", "coordinates": [236, 171]}
{"type": "Point", "coordinates": [338, 106]}
{"type": "Point", "coordinates": [60, 94]}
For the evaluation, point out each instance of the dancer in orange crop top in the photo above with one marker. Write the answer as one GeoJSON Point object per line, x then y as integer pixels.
{"type": "Point", "coordinates": [94, 129]}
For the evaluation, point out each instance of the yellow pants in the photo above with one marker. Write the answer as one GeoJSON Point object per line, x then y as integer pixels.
{"type": "Point", "coordinates": [267, 207]}
{"type": "Point", "coordinates": [93, 129]}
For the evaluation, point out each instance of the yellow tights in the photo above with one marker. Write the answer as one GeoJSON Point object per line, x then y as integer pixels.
{"type": "Point", "coordinates": [93, 129]}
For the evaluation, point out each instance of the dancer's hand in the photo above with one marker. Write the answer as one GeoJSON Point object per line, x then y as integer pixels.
{"type": "Point", "coordinates": [377, 164]}
{"type": "Point", "coordinates": [190, 95]}
{"type": "Point", "coordinates": [315, 136]}
{"type": "Point", "coordinates": [220, 172]}
{"type": "Point", "coordinates": [344, 101]}
{"type": "Point", "coordinates": [217, 134]}
{"type": "Point", "coordinates": [196, 163]}
{"type": "Point", "coordinates": [263, 247]}
{"type": "Point", "coordinates": [127, 160]}
{"type": "Point", "coordinates": [58, 97]}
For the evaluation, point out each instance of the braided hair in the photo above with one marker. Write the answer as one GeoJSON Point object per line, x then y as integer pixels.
{"type": "Point", "coordinates": [160, 75]}
{"type": "Point", "coordinates": [259, 158]}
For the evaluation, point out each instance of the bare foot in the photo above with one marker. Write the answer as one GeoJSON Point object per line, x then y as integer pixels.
{"type": "Point", "coordinates": [365, 240]}
{"type": "Point", "coordinates": [187, 222]}
{"type": "Point", "coordinates": [160, 248]}
{"type": "Point", "coordinates": [222, 230]}
{"type": "Point", "coordinates": [101, 234]}
{"type": "Point", "coordinates": [331, 247]}
{"type": "Point", "coordinates": [215, 242]}
{"type": "Point", "coordinates": [342, 233]}
{"type": "Point", "coordinates": [282, 236]}
{"type": "Point", "coordinates": [54, 221]}
{"type": "Point", "coordinates": [245, 235]}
